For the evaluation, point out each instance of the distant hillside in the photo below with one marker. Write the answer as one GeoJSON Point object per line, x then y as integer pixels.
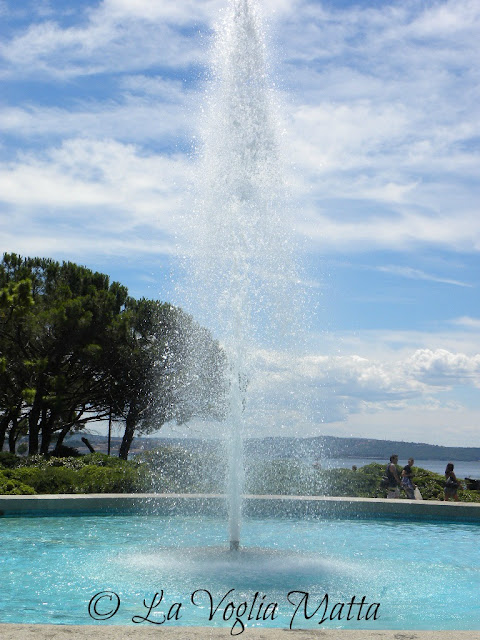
{"type": "Point", "coordinates": [309, 448]}
{"type": "Point", "coordinates": [369, 448]}
{"type": "Point", "coordinates": [333, 447]}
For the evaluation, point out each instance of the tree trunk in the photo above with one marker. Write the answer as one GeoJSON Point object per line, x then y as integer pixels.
{"type": "Point", "coordinates": [13, 433]}
{"type": "Point", "coordinates": [47, 430]}
{"type": "Point", "coordinates": [3, 429]}
{"type": "Point", "coordinates": [86, 442]}
{"type": "Point", "coordinates": [33, 425]}
{"type": "Point", "coordinates": [61, 437]}
{"type": "Point", "coordinates": [13, 417]}
{"type": "Point", "coordinates": [130, 424]}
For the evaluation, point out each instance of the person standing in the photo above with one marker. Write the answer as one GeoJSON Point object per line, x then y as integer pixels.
{"type": "Point", "coordinates": [393, 488]}
{"type": "Point", "coordinates": [451, 483]}
{"type": "Point", "coordinates": [407, 480]}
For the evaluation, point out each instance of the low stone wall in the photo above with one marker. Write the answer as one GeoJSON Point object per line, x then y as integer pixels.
{"type": "Point", "coordinates": [254, 506]}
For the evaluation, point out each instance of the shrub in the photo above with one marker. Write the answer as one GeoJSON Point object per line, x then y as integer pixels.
{"type": "Point", "coordinates": [96, 479]}
{"type": "Point", "coordinates": [8, 460]}
{"type": "Point", "coordinates": [22, 448]}
{"type": "Point", "coordinates": [174, 470]}
{"type": "Point", "coordinates": [282, 477]}
{"type": "Point", "coordinates": [64, 451]}
{"type": "Point", "coordinates": [363, 483]}
{"type": "Point", "coordinates": [104, 460]}
{"type": "Point", "coordinates": [40, 461]}
{"type": "Point", "coordinates": [11, 486]}
{"type": "Point", "coordinates": [469, 496]}
{"type": "Point", "coordinates": [46, 480]}
{"type": "Point", "coordinates": [430, 484]}
{"type": "Point", "coordinates": [94, 473]}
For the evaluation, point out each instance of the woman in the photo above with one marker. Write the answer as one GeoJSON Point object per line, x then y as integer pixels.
{"type": "Point", "coordinates": [407, 480]}
{"type": "Point", "coordinates": [451, 483]}
{"type": "Point", "coordinates": [393, 481]}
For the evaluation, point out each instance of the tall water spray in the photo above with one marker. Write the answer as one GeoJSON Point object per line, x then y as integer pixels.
{"type": "Point", "coordinates": [240, 258]}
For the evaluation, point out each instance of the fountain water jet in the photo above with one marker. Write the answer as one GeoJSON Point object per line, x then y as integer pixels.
{"type": "Point", "coordinates": [240, 267]}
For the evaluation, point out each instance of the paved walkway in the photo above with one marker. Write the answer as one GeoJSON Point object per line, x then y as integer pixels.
{"type": "Point", "coordinates": [114, 632]}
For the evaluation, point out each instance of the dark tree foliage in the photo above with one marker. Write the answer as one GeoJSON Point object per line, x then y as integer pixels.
{"type": "Point", "coordinates": [75, 348]}
{"type": "Point", "coordinates": [155, 379]}
{"type": "Point", "coordinates": [53, 327]}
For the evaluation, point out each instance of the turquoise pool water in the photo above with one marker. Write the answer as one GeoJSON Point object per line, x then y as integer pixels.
{"type": "Point", "coordinates": [421, 575]}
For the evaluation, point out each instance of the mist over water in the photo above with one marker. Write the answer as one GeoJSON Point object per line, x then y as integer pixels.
{"type": "Point", "coordinates": [241, 273]}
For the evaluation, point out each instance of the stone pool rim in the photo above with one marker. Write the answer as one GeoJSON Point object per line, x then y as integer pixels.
{"type": "Point", "coordinates": [117, 632]}
{"type": "Point", "coordinates": [254, 506]}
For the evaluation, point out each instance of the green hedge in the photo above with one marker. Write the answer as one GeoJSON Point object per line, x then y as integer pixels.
{"type": "Point", "coordinates": [365, 482]}
{"type": "Point", "coordinates": [11, 486]}
{"type": "Point", "coordinates": [8, 460]}
{"type": "Point", "coordinates": [94, 473]}
{"type": "Point", "coordinates": [172, 470]}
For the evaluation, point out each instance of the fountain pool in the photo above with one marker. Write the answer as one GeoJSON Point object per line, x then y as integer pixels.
{"type": "Point", "coordinates": [423, 575]}
{"type": "Point", "coordinates": [288, 572]}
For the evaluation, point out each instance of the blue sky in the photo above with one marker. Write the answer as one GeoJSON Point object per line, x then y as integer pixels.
{"type": "Point", "coordinates": [381, 110]}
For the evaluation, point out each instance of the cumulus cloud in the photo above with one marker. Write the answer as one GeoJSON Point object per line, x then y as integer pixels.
{"type": "Point", "coordinates": [441, 367]}
{"type": "Point", "coordinates": [336, 388]}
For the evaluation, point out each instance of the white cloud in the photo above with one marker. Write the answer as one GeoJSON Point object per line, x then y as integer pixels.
{"type": "Point", "coordinates": [374, 121]}
{"type": "Point", "coordinates": [408, 230]}
{"type": "Point", "coordinates": [441, 367]}
{"type": "Point", "coordinates": [117, 36]}
{"type": "Point", "coordinates": [435, 425]}
{"type": "Point", "coordinates": [391, 346]}
{"type": "Point", "coordinates": [161, 88]}
{"type": "Point", "coordinates": [336, 136]}
{"type": "Point", "coordinates": [134, 118]}
{"type": "Point", "coordinates": [85, 172]}
{"type": "Point", "coordinates": [376, 124]}
{"type": "Point", "coordinates": [418, 274]}
{"type": "Point", "coordinates": [340, 388]}
{"type": "Point", "coordinates": [382, 108]}
{"type": "Point", "coordinates": [63, 244]}
{"type": "Point", "coordinates": [88, 194]}
{"type": "Point", "coordinates": [447, 20]}
{"type": "Point", "coordinates": [182, 11]}
{"type": "Point", "coordinates": [467, 322]}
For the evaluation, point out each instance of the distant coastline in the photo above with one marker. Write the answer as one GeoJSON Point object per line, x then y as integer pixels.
{"type": "Point", "coordinates": [300, 448]}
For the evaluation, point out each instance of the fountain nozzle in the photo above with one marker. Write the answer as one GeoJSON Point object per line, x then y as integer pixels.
{"type": "Point", "coordinates": [234, 545]}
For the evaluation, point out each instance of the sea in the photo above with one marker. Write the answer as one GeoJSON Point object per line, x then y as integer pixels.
{"type": "Point", "coordinates": [462, 468]}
